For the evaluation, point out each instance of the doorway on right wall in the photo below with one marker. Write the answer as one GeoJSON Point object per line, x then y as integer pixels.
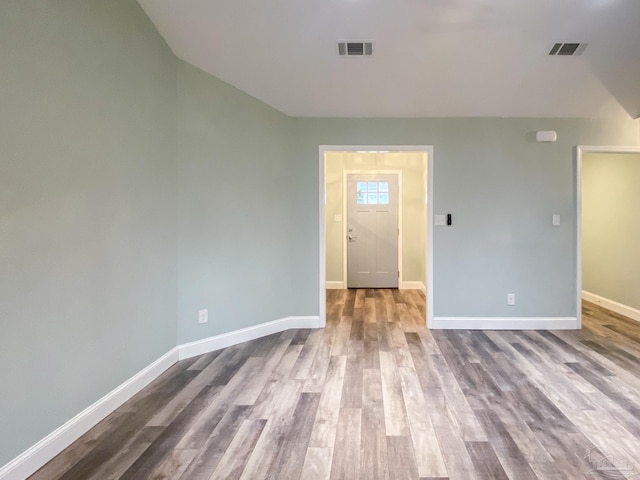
{"type": "Point", "coordinates": [610, 218]}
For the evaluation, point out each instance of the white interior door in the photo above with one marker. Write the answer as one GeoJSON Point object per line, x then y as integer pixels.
{"type": "Point", "coordinates": [372, 231]}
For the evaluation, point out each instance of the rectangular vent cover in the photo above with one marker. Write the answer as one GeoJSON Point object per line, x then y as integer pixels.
{"type": "Point", "coordinates": [351, 48]}
{"type": "Point", "coordinates": [573, 49]}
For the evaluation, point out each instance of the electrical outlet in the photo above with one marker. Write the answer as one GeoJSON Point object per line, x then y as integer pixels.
{"type": "Point", "coordinates": [203, 316]}
{"type": "Point", "coordinates": [511, 298]}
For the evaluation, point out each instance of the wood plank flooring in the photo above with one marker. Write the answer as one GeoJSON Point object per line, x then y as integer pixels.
{"type": "Point", "coordinates": [375, 395]}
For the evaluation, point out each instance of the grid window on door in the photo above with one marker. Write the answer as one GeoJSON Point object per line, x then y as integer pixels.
{"type": "Point", "coordinates": [372, 193]}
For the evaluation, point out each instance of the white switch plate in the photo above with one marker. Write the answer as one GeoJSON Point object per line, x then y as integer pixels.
{"type": "Point", "coordinates": [556, 220]}
{"type": "Point", "coordinates": [337, 217]}
{"type": "Point", "coordinates": [511, 298]}
{"type": "Point", "coordinates": [203, 316]}
{"type": "Point", "coordinates": [440, 220]}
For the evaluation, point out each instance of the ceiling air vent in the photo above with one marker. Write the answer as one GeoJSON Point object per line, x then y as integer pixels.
{"type": "Point", "coordinates": [350, 49]}
{"type": "Point", "coordinates": [573, 49]}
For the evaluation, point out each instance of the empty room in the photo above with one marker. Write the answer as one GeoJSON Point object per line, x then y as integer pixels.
{"type": "Point", "coordinates": [322, 240]}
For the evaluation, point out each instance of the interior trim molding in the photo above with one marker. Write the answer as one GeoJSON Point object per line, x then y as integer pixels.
{"type": "Point", "coordinates": [39, 454]}
{"type": "Point", "coordinates": [409, 285]}
{"type": "Point", "coordinates": [206, 345]}
{"type": "Point", "coordinates": [388, 170]}
{"type": "Point", "coordinates": [504, 323]}
{"type": "Point", "coordinates": [42, 452]}
{"type": "Point", "coordinates": [322, 241]}
{"type": "Point", "coordinates": [413, 286]}
{"type": "Point", "coordinates": [622, 309]}
{"type": "Point", "coordinates": [580, 150]}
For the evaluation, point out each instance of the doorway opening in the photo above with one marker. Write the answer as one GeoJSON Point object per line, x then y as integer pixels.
{"type": "Point", "coordinates": [607, 229]}
{"type": "Point", "coordinates": [367, 173]}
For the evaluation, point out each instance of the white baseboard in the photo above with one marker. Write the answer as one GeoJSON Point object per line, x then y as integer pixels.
{"type": "Point", "coordinates": [504, 323]}
{"type": "Point", "coordinates": [39, 454]}
{"type": "Point", "coordinates": [413, 286]}
{"type": "Point", "coordinates": [335, 285]}
{"type": "Point", "coordinates": [206, 345]}
{"type": "Point", "coordinates": [612, 305]}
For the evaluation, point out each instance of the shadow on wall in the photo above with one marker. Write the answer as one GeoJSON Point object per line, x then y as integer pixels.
{"type": "Point", "coordinates": [606, 59]}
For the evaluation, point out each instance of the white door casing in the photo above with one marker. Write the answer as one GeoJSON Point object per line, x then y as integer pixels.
{"type": "Point", "coordinates": [579, 152]}
{"type": "Point", "coordinates": [322, 253]}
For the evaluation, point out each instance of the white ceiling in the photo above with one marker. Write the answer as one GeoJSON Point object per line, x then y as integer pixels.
{"type": "Point", "coordinates": [431, 57]}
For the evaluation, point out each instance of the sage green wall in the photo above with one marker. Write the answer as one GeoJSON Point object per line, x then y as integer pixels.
{"type": "Point", "coordinates": [238, 221]}
{"type": "Point", "coordinates": [87, 215]}
{"type": "Point", "coordinates": [611, 227]}
{"type": "Point", "coordinates": [502, 189]}
{"type": "Point", "coordinates": [413, 168]}
{"type": "Point", "coordinates": [136, 189]}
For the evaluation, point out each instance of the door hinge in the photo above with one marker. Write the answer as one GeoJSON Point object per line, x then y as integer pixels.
{"type": "Point", "coordinates": [398, 273]}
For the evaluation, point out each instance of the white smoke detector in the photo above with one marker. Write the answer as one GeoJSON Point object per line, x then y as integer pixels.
{"type": "Point", "coordinates": [546, 136]}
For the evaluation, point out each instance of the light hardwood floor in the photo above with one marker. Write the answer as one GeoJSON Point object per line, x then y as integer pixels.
{"type": "Point", "coordinates": [375, 395]}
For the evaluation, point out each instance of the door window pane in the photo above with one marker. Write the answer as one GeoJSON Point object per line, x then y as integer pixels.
{"type": "Point", "coordinates": [372, 193]}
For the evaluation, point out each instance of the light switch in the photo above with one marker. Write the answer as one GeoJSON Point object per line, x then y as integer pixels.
{"type": "Point", "coordinates": [337, 217]}
{"type": "Point", "coordinates": [556, 220]}
{"type": "Point", "coordinates": [440, 220]}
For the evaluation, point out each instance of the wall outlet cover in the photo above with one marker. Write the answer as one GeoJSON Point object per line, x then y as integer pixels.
{"type": "Point", "coordinates": [203, 316]}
